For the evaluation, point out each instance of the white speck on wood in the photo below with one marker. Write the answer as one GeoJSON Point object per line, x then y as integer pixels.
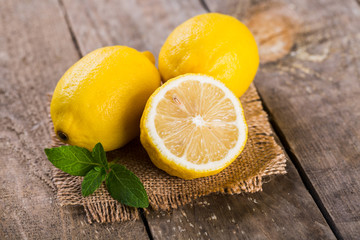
{"type": "Point", "coordinates": [183, 213]}
{"type": "Point", "coordinates": [212, 217]}
{"type": "Point", "coordinates": [304, 55]}
{"type": "Point", "coordinates": [181, 229]}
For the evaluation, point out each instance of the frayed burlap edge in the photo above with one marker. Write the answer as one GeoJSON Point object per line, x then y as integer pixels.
{"type": "Point", "coordinates": [101, 208]}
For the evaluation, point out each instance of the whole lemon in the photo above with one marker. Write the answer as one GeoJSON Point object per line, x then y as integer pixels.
{"type": "Point", "coordinates": [102, 96]}
{"type": "Point", "coordinates": [213, 44]}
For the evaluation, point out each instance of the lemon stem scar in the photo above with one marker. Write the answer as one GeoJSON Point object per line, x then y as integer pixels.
{"type": "Point", "coordinates": [62, 135]}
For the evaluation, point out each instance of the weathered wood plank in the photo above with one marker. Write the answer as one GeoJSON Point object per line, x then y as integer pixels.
{"type": "Point", "coordinates": [284, 210]}
{"type": "Point", "coordinates": [35, 50]}
{"type": "Point", "coordinates": [313, 95]}
{"type": "Point", "coordinates": [143, 25]}
{"type": "Point", "coordinates": [285, 201]}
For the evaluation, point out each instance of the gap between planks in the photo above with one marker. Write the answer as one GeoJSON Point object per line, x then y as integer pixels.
{"type": "Point", "coordinates": [305, 179]}
{"type": "Point", "coordinates": [80, 54]}
{"type": "Point", "coordinates": [78, 50]}
{"type": "Point", "coordinates": [72, 34]}
{"type": "Point", "coordinates": [276, 128]}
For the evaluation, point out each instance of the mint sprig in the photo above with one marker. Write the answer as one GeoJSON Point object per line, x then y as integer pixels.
{"type": "Point", "coordinates": [99, 155]}
{"type": "Point", "coordinates": [122, 184]}
{"type": "Point", "coordinates": [92, 181]}
{"type": "Point", "coordinates": [73, 160]}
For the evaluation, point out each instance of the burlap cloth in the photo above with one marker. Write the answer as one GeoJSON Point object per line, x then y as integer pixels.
{"type": "Point", "coordinates": [261, 157]}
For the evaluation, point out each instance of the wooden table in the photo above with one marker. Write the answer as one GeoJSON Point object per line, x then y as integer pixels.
{"type": "Point", "coordinates": [312, 95]}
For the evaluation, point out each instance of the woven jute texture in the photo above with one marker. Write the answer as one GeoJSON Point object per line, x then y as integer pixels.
{"type": "Point", "coordinates": [261, 157]}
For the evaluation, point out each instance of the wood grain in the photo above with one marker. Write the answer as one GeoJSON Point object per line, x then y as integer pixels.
{"type": "Point", "coordinates": [143, 25]}
{"type": "Point", "coordinates": [285, 203]}
{"type": "Point", "coordinates": [313, 95]}
{"type": "Point", "coordinates": [284, 210]}
{"type": "Point", "coordinates": [35, 50]}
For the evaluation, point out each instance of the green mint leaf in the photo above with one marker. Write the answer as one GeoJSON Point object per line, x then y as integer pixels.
{"type": "Point", "coordinates": [73, 160]}
{"type": "Point", "coordinates": [92, 181]}
{"type": "Point", "coordinates": [99, 155]}
{"type": "Point", "coordinates": [125, 186]}
{"type": "Point", "coordinates": [98, 168]}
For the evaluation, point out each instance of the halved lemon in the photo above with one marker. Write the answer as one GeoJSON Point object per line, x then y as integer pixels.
{"type": "Point", "coordinates": [193, 126]}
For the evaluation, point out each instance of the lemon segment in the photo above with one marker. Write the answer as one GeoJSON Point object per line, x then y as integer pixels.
{"type": "Point", "coordinates": [193, 126]}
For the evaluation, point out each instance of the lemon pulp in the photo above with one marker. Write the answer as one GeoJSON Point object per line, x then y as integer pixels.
{"type": "Point", "coordinates": [193, 126]}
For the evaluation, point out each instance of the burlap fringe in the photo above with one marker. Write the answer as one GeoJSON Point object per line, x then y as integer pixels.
{"type": "Point", "coordinates": [109, 212]}
{"type": "Point", "coordinates": [101, 208]}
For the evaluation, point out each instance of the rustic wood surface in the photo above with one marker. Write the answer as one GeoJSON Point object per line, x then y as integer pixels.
{"type": "Point", "coordinates": [312, 95]}
{"type": "Point", "coordinates": [284, 210]}
{"type": "Point", "coordinates": [297, 200]}
{"type": "Point", "coordinates": [35, 50]}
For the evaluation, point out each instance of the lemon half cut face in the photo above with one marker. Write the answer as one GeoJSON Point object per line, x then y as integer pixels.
{"type": "Point", "coordinates": [193, 126]}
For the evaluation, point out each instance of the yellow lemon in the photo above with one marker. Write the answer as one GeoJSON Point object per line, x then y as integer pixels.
{"type": "Point", "coordinates": [193, 126]}
{"type": "Point", "coordinates": [213, 44]}
{"type": "Point", "coordinates": [102, 96]}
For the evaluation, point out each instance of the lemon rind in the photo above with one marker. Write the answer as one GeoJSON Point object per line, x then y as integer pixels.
{"type": "Point", "coordinates": [172, 164]}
